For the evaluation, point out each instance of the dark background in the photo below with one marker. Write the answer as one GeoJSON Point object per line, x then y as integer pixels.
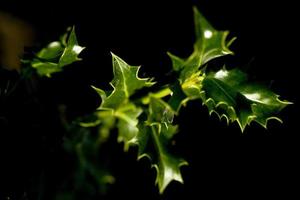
{"type": "Point", "coordinates": [223, 162]}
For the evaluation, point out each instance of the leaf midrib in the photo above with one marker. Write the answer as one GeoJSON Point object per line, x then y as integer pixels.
{"type": "Point", "coordinates": [224, 91]}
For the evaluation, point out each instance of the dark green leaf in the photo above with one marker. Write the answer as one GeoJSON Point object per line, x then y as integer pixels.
{"type": "Point", "coordinates": [209, 44]}
{"type": "Point", "coordinates": [229, 94]}
{"type": "Point", "coordinates": [84, 145]}
{"type": "Point", "coordinates": [178, 97]}
{"type": "Point", "coordinates": [153, 139]}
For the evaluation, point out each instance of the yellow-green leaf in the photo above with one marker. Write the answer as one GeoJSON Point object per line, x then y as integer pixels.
{"type": "Point", "coordinates": [56, 55]}
{"type": "Point", "coordinates": [125, 82]}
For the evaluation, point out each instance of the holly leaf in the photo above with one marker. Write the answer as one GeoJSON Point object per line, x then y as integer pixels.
{"type": "Point", "coordinates": [210, 44]}
{"type": "Point", "coordinates": [189, 90]}
{"type": "Point", "coordinates": [125, 82]}
{"type": "Point", "coordinates": [229, 94]}
{"type": "Point", "coordinates": [153, 138]}
{"type": "Point", "coordinates": [178, 97]}
{"type": "Point", "coordinates": [56, 55]}
{"type": "Point", "coordinates": [84, 146]}
{"type": "Point", "coordinates": [127, 124]}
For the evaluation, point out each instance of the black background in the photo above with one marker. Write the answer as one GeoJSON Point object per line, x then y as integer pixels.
{"type": "Point", "coordinates": [223, 162]}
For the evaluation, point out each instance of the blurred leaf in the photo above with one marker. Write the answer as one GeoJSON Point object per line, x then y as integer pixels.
{"type": "Point", "coordinates": [56, 55]}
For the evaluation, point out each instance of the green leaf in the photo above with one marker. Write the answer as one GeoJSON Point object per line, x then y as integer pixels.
{"type": "Point", "coordinates": [124, 117]}
{"type": "Point", "coordinates": [85, 147]}
{"type": "Point", "coordinates": [71, 50]}
{"type": "Point", "coordinates": [56, 55]}
{"type": "Point", "coordinates": [153, 139]}
{"type": "Point", "coordinates": [117, 105]}
{"type": "Point", "coordinates": [230, 95]}
{"type": "Point", "coordinates": [124, 83]}
{"type": "Point", "coordinates": [127, 124]}
{"type": "Point", "coordinates": [209, 44]}
{"type": "Point", "coordinates": [178, 97]}
{"type": "Point", "coordinates": [177, 63]}
{"type": "Point", "coordinates": [191, 89]}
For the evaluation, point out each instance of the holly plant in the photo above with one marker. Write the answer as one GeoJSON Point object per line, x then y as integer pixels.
{"type": "Point", "coordinates": [146, 122]}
